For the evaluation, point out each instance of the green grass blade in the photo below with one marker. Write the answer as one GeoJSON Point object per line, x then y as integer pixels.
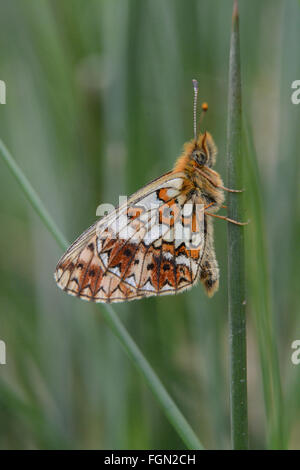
{"type": "Point", "coordinates": [236, 262]}
{"type": "Point", "coordinates": [261, 302]}
{"type": "Point", "coordinates": [32, 196]}
{"type": "Point", "coordinates": [167, 404]}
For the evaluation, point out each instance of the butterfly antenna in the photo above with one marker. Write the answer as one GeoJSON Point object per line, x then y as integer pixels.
{"type": "Point", "coordinates": [204, 108]}
{"type": "Point", "coordinates": [195, 86]}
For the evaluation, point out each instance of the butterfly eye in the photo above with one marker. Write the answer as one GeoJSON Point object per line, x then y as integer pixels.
{"type": "Point", "coordinates": [199, 157]}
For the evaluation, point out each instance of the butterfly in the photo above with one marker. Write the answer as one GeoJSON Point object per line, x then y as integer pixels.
{"type": "Point", "coordinates": [160, 241]}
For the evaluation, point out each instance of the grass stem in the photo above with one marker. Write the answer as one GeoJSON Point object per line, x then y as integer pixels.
{"type": "Point", "coordinates": [236, 261]}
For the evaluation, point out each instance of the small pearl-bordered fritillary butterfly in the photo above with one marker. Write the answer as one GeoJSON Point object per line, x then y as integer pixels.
{"type": "Point", "coordinates": [157, 243]}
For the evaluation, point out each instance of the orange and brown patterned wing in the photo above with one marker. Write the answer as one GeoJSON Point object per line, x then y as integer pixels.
{"type": "Point", "coordinates": [136, 251]}
{"type": "Point", "coordinates": [79, 269]}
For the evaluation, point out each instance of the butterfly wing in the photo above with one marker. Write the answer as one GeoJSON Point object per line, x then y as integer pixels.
{"type": "Point", "coordinates": [136, 251]}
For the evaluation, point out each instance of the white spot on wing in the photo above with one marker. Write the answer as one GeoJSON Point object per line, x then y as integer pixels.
{"type": "Point", "coordinates": [148, 286]}
{"type": "Point", "coordinates": [99, 244]}
{"type": "Point", "coordinates": [104, 258]}
{"type": "Point", "coordinates": [182, 259]}
{"type": "Point", "coordinates": [115, 270]}
{"type": "Point", "coordinates": [149, 201]}
{"type": "Point", "coordinates": [172, 192]}
{"type": "Point", "coordinates": [166, 287]}
{"type": "Point", "coordinates": [131, 280]}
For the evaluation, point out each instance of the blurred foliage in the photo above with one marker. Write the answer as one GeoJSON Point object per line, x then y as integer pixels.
{"type": "Point", "coordinates": [99, 102]}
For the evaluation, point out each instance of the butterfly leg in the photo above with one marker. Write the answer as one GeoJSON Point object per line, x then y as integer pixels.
{"type": "Point", "coordinates": [216, 184]}
{"type": "Point", "coordinates": [226, 218]}
{"type": "Point", "coordinates": [231, 190]}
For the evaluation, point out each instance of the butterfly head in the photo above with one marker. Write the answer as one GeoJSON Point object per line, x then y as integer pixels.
{"type": "Point", "coordinates": [198, 152]}
{"type": "Point", "coordinates": [204, 150]}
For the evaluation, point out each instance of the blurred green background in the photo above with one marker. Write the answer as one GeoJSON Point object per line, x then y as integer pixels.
{"type": "Point", "coordinates": [99, 102]}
